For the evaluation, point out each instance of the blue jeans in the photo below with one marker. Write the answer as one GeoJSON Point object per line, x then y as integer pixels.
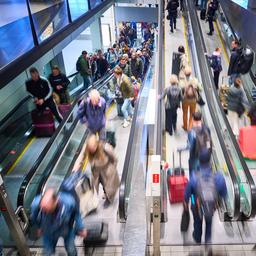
{"type": "Point", "coordinates": [87, 81]}
{"type": "Point", "coordinates": [127, 108]}
{"type": "Point", "coordinates": [119, 109]}
{"type": "Point", "coordinates": [232, 78]}
{"type": "Point", "coordinates": [198, 223]}
{"type": "Point", "coordinates": [50, 243]}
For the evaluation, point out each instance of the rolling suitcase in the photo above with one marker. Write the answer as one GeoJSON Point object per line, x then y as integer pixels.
{"type": "Point", "coordinates": [64, 110]}
{"type": "Point", "coordinates": [43, 123]}
{"type": "Point", "coordinates": [203, 14]}
{"type": "Point", "coordinates": [97, 233]}
{"type": "Point", "coordinates": [177, 182]}
{"type": "Point", "coordinates": [176, 63]}
{"type": "Point", "coordinates": [246, 143]}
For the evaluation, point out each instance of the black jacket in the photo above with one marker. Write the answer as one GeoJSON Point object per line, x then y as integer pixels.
{"type": "Point", "coordinates": [61, 79]}
{"type": "Point", "coordinates": [172, 7]}
{"type": "Point", "coordinates": [102, 67]}
{"type": "Point", "coordinates": [40, 89]}
{"type": "Point", "coordinates": [233, 63]}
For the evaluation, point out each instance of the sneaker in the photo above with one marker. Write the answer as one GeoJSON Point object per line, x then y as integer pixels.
{"type": "Point", "coordinates": [129, 118]}
{"type": "Point", "coordinates": [126, 123]}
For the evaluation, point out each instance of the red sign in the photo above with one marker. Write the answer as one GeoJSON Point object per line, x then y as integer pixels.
{"type": "Point", "coordinates": [156, 178]}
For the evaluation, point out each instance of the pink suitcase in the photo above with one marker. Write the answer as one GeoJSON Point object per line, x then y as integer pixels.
{"type": "Point", "coordinates": [64, 110]}
{"type": "Point", "coordinates": [43, 123]}
{"type": "Point", "coordinates": [247, 141]}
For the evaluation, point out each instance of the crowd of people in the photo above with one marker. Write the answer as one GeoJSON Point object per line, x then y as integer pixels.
{"type": "Point", "coordinates": [57, 214]}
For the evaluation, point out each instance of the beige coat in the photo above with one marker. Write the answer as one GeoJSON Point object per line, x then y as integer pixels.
{"type": "Point", "coordinates": [183, 64]}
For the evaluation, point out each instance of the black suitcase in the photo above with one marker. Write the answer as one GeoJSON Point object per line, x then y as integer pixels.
{"type": "Point", "coordinates": [178, 171]}
{"type": "Point", "coordinates": [176, 63]}
{"type": "Point", "coordinates": [203, 14]}
{"type": "Point", "coordinates": [97, 233]}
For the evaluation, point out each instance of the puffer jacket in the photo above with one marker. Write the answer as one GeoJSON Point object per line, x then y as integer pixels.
{"type": "Point", "coordinates": [234, 97]}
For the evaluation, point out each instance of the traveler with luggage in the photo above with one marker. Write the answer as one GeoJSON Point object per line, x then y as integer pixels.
{"type": "Point", "coordinates": [199, 137]}
{"type": "Point", "coordinates": [83, 67]}
{"type": "Point", "coordinates": [172, 7]}
{"type": "Point", "coordinates": [173, 94]}
{"type": "Point", "coordinates": [59, 83]}
{"type": "Point", "coordinates": [104, 167]}
{"type": "Point", "coordinates": [216, 66]}
{"type": "Point", "coordinates": [236, 104]}
{"type": "Point", "coordinates": [92, 112]}
{"type": "Point", "coordinates": [204, 188]}
{"type": "Point", "coordinates": [40, 89]}
{"type": "Point", "coordinates": [211, 9]}
{"type": "Point", "coordinates": [190, 97]}
{"type": "Point", "coordinates": [233, 62]}
{"type": "Point", "coordinates": [125, 87]}
{"type": "Point", "coordinates": [56, 215]}
{"type": "Point", "coordinates": [183, 62]}
{"type": "Point", "coordinates": [252, 114]}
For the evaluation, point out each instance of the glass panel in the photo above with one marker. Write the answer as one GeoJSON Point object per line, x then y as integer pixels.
{"type": "Point", "coordinates": [49, 16]}
{"type": "Point", "coordinates": [94, 3]}
{"type": "Point", "coordinates": [15, 30]}
{"type": "Point", "coordinates": [78, 8]}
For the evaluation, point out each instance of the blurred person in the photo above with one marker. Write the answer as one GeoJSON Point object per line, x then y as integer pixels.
{"type": "Point", "coordinates": [59, 83]}
{"type": "Point", "coordinates": [102, 65]}
{"type": "Point", "coordinates": [252, 114]}
{"type": "Point", "coordinates": [199, 137]}
{"type": "Point", "coordinates": [40, 89]}
{"type": "Point", "coordinates": [203, 4]}
{"type": "Point", "coordinates": [111, 57]}
{"type": "Point", "coordinates": [83, 67]}
{"type": "Point", "coordinates": [57, 215]}
{"type": "Point", "coordinates": [126, 56]}
{"type": "Point", "coordinates": [103, 163]}
{"type": "Point", "coordinates": [183, 62]}
{"type": "Point", "coordinates": [142, 59]}
{"type": "Point", "coordinates": [136, 66]}
{"type": "Point", "coordinates": [216, 65]}
{"type": "Point", "coordinates": [173, 93]}
{"type": "Point", "coordinates": [236, 105]}
{"type": "Point", "coordinates": [204, 189]}
{"type": "Point", "coordinates": [172, 7]}
{"type": "Point", "coordinates": [136, 89]}
{"type": "Point", "coordinates": [125, 66]}
{"type": "Point", "coordinates": [233, 62]}
{"type": "Point", "coordinates": [211, 9]}
{"type": "Point", "coordinates": [146, 62]}
{"type": "Point", "coordinates": [92, 112]}
{"type": "Point", "coordinates": [118, 50]}
{"type": "Point", "coordinates": [125, 87]}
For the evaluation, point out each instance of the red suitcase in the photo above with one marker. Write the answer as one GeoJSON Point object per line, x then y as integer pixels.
{"type": "Point", "coordinates": [247, 141]}
{"type": "Point", "coordinates": [177, 183]}
{"type": "Point", "coordinates": [43, 123]}
{"type": "Point", "coordinates": [64, 110]}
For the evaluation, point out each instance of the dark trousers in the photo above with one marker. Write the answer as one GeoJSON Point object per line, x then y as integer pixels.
{"type": "Point", "coordinates": [170, 120]}
{"type": "Point", "coordinates": [182, 5]}
{"type": "Point", "coordinates": [52, 106]}
{"type": "Point", "coordinates": [198, 223]}
{"type": "Point", "coordinates": [216, 75]}
{"type": "Point", "coordinates": [172, 22]}
{"type": "Point", "coordinates": [210, 21]}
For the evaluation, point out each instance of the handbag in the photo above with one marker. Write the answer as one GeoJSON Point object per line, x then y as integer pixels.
{"type": "Point", "coordinates": [200, 100]}
{"type": "Point", "coordinates": [185, 218]}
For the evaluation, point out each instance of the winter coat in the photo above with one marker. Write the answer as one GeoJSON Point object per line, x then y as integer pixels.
{"type": "Point", "coordinates": [234, 98]}
{"type": "Point", "coordinates": [85, 67]}
{"type": "Point", "coordinates": [104, 171]}
{"type": "Point", "coordinates": [216, 61]}
{"type": "Point", "coordinates": [60, 79]}
{"type": "Point", "coordinates": [125, 87]}
{"type": "Point", "coordinates": [102, 67]}
{"type": "Point", "coordinates": [174, 97]}
{"type": "Point", "coordinates": [183, 64]}
{"type": "Point", "coordinates": [137, 67]}
{"type": "Point", "coordinates": [233, 63]}
{"type": "Point", "coordinates": [172, 7]}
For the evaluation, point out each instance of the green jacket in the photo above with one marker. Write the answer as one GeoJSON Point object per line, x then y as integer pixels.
{"type": "Point", "coordinates": [85, 68]}
{"type": "Point", "coordinates": [126, 87]}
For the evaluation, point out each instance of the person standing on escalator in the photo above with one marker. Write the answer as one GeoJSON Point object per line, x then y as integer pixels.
{"type": "Point", "coordinates": [211, 9]}
{"type": "Point", "coordinates": [216, 66]}
{"type": "Point", "coordinates": [172, 7]}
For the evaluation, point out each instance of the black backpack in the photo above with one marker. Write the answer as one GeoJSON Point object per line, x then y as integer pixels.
{"type": "Point", "coordinates": [245, 61]}
{"type": "Point", "coordinates": [78, 65]}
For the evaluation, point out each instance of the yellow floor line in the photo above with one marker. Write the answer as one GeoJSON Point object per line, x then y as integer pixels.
{"type": "Point", "coordinates": [110, 109]}
{"type": "Point", "coordinates": [186, 39]}
{"type": "Point", "coordinates": [21, 155]}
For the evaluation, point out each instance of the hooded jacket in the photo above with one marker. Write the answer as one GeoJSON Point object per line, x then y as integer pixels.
{"type": "Point", "coordinates": [234, 98]}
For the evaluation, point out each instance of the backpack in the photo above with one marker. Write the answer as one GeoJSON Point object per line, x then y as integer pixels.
{"type": "Point", "coordinates": [203, 140]}
{"type": "Point", "coordinates": [190, 92]}
{"type": "Point", "coordinates": [215, 65]}
{"type": "Point", "coordinates": [78, 65]}
{"type": "Point", "coordinates": [245, 61]}
{"type": "Point", "coordinates": [206, 195]}
{"type": "Point", "coordinates": [174, 98]}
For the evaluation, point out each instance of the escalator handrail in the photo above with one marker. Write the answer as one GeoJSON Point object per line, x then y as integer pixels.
{"type": "Point", "coordinates": [206, 74]}
{"type": "Point", "coordinates": [122, 188]}
{"type": "Point", "coordinates": [31, 173]}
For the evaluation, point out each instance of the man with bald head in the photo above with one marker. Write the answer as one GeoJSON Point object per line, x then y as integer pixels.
{"type": "Point", "coordinates": [57, 215]}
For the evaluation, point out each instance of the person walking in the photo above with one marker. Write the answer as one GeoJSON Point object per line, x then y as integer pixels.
{"type": "Point", "coordinates": [204, 189]}
{"type": "Point", "coordinates": [211, 9]}
{"type": "Point", "coordinates": [92, 112]}
{"type": "Point", "coordinates": [40, 89]}
{"type": "Point", "coordinates": [216, 65]}
{"type": "Point", "coordinates": [57, 215]}
{"type": "Point", "coordinates": [83, 67]}
{"type": "Point", "coordinates": [173, 93]}
{"type": "Point", "coordinates": [183, 62]}
{"type": "Point", "coordinates": [172, 7]}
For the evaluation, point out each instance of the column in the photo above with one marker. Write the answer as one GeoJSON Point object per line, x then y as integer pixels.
{"type": "Point", "coordinates": [96, 35]}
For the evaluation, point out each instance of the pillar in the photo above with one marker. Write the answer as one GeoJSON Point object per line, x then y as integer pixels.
{"type": "Point", "coordinates": [96, 35]}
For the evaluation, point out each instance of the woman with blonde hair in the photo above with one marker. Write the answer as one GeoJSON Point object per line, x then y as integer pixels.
{"type": "Point", "coordinates": [103, 166]}
{"type": "Point", "coordinates": [173, 96]}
